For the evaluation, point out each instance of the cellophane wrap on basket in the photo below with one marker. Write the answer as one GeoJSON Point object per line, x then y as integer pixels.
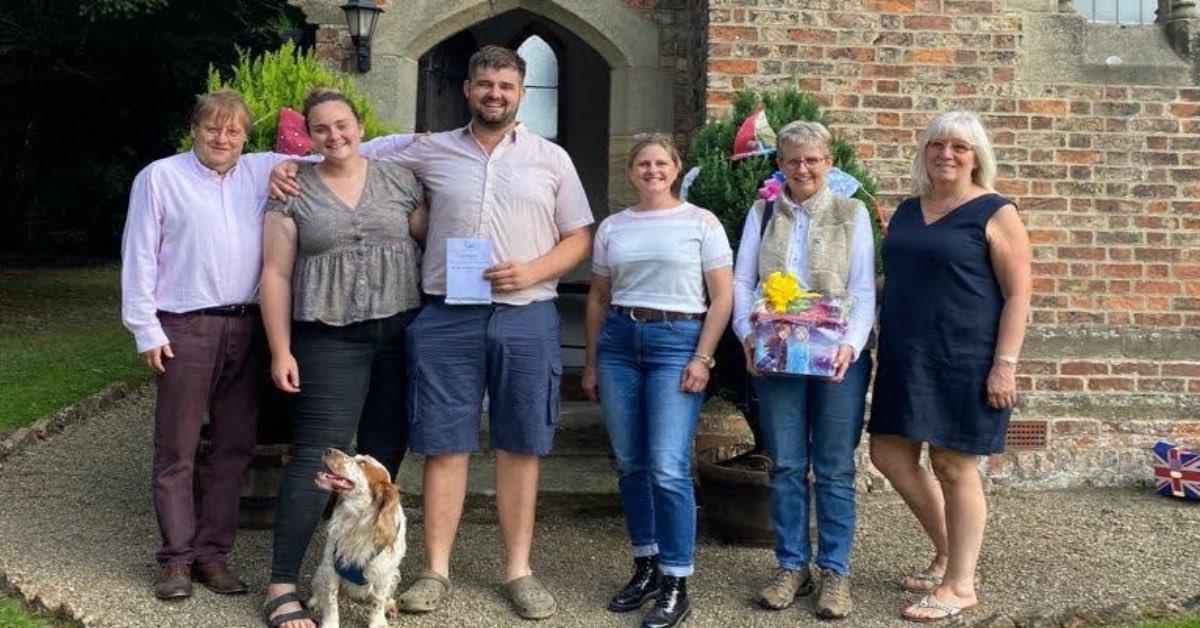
{"type": "Point", "coordinates": [798, 333]}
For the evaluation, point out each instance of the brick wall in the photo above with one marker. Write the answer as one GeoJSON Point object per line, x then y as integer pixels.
{"type": "Point", "coordinates": [1107, 178]}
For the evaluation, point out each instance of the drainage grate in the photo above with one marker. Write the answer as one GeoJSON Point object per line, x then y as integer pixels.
{"type": "Point", "coordinates": [1024, 435]}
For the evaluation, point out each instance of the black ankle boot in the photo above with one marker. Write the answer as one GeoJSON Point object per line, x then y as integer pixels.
{"type": "Point", "coordinates": [642, 586]}
{"type": "Point", "coordinates": [672, 607]}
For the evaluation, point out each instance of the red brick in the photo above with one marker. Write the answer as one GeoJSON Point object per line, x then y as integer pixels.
{"type": "Point", "coordinates": [1168, 288]}
{"type": "Point", "coordinates": [733, 66]}
{"type": "Point", "coordinates": [1083, 368]}
{"type": "Point", "coordinates": [931, 56]}
{"type": "Point", "coordinates": [732, 33]}
{"type": "Point", "coordinates": [887, 71]}
{"type": "Point", "coordinates": [1186, 369]}
{"type": "Point", "coordinates": [927, 22]}
{"type": "Point", "coordinates": [1080, 156]}
{"type": "Point", "coordinates": [1054, 107]}
{"type": "Point", "coordinates": [892, 6]}
{"type": "Point", "coordinates": [1134, 368]}
{"type": "Point", "coordinates": [1119, 270]}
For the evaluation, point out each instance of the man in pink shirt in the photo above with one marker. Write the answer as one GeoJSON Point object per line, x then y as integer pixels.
{"type": "Point", "coordinates": [191, 255]}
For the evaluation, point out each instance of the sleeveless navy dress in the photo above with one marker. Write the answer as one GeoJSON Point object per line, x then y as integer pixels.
{"type": "Point", "coordinates": [938, 323]}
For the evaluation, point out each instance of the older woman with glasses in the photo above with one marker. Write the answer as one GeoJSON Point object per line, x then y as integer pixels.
{"type": "Point", "coordinates": [825, 240]}
{"type": "Point", "coordinates": [953, 316]}
{"type": "Point", "coordinates": [661, 292]}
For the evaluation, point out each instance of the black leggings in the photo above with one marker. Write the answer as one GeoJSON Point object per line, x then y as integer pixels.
{"type": "Point", "coordinates": [345, 373]}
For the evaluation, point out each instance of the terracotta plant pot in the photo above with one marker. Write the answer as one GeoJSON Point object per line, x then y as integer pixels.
{"type": "Point", "coordinates": [736, 498]}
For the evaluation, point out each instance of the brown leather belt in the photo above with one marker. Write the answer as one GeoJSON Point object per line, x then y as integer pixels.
{"type": "Point", "coordinates": [650, 315]}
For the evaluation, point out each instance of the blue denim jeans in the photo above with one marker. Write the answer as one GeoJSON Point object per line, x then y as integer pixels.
{"type": "Point", "coordinates": [651, 423]}
{"type": "Point", "coordinates": [814, 423]}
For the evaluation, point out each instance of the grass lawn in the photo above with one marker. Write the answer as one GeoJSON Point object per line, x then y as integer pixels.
{"type": "Point", "coordinates": [1184, 622]}
{"type": "Point", "coordinates": [61, 339]}
{"type": "Point", "coordinates": [14, 614]}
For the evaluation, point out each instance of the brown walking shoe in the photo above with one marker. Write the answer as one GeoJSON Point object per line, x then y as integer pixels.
{"type": "Point", "coordinates": [218, 578]}
{"type": "Point", "coordinates": [783, 588]}
{"type": "Point", "coordinates": [174, 581]}
{"type": "Point", "coordinates": [834, 600]}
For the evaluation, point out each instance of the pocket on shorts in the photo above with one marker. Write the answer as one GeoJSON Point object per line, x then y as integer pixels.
{"type": "Point", "coordinates": [414, 397]}
{"type": "Point", "coordinates": [554, 392]}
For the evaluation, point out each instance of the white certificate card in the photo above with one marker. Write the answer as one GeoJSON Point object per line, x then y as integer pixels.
{"type": "Point", "coordinates": [466, 259]}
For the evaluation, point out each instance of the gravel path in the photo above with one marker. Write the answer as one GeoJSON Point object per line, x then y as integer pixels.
{"type": "Point", "coordinates": [77, 531]}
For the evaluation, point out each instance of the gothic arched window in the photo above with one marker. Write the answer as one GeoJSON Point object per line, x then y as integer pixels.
{"type": "Point", "coordinates": [539, 111]}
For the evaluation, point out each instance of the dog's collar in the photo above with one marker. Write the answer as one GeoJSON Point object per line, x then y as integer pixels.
{"type": "Point", "coordinates": [351, 572]}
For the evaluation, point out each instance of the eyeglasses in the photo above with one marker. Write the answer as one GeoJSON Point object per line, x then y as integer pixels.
{"type": "Point", "coordinates": [956, 147]}
{"type": "Point", "coordinates": [810, 163]}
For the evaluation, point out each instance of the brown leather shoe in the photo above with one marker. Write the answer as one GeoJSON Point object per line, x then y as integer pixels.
{"type": "Point", "coordinates": [174, 581]}
{"type": "Point", "coordinates": [217, 577]}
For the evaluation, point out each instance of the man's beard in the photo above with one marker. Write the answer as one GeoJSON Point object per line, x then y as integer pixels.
{"type": "Point", "coordinates": [504, 121]}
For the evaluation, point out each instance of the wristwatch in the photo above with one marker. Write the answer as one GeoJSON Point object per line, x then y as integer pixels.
{"type": "Point", "coordinates": [706, 360]}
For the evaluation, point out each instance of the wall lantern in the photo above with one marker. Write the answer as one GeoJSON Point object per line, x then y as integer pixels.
{"type": "Point", "coordinates": [360, 17]}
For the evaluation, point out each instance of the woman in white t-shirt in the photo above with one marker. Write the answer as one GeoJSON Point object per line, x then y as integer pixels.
{"type": "Point", "coordinates": [651, 334]}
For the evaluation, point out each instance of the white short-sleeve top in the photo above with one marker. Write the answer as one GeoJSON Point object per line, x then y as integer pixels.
{"type": "Point", "coordinates": [657, 258]}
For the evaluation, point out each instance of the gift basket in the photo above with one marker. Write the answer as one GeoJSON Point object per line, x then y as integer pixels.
{"type": "Point", "coordinates": [797, 332]}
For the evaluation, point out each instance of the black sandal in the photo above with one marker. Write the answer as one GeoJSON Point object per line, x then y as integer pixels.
{"type": "Point", "coordinates": [273, 605]}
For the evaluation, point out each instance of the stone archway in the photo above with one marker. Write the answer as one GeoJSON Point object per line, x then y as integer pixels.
{"type": "Point", "coordinates": [628, 43]}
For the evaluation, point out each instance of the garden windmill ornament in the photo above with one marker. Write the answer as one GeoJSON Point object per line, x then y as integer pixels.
{"type": "Point", "coordinates": [755, 137]}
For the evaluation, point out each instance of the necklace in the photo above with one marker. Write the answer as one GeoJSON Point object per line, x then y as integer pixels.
{"type": "Point", "coordinates": [932, 216]}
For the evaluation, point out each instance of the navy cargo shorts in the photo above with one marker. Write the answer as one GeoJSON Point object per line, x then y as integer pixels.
{"type": "Point", "coordinates": [456, 352]}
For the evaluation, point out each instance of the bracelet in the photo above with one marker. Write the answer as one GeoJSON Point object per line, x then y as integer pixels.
{"type": "Point", "coordinates": [706, 360]}
{"type": "Point", "coordinates": [1007, 359]}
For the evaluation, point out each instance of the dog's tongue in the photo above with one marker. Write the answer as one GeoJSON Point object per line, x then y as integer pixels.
{"type": "Point", "coordinates": [335, 481]}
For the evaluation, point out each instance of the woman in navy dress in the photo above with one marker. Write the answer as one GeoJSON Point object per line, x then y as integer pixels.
{"type": "Point", "coordinates": [956, 264]}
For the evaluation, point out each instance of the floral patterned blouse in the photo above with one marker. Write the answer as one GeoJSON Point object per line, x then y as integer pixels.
{"type": "Point", "coordinates": [354, 263]}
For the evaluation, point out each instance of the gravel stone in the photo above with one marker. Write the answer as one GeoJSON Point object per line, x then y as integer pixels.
{"type": "Point", "coordinates": [77, 532]}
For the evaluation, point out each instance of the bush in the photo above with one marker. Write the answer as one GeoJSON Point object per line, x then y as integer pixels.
{"type": "Point", "coordinates": [728, 188]}
{"type": "Point", "coordinates": [280, 79]}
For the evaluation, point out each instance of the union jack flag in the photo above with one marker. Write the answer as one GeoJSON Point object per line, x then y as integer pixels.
{"type": "Point", "coordinates": [1176, 471]}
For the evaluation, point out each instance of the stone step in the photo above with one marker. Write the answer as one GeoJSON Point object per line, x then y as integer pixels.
{"type": "Point", "coordinates": [567, 484]}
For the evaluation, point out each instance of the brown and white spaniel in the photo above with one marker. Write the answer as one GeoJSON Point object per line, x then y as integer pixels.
{"type": "Point", "coordinates": [365, 541]}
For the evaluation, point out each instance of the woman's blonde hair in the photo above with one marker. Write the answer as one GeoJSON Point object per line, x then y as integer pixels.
{"type": "Point", "coordinates": [962, 125]}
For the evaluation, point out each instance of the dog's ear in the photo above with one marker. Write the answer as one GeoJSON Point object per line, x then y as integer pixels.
{"type": "Point", "coordinates": [387, 499]}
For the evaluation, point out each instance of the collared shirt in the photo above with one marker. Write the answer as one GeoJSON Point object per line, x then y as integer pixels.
{"type": "Point", "coordinates": [523, 196]}
{"type": "Point", "coordinates": [860, 284]}
{"type": "Point", "coordinates": [193, 239]}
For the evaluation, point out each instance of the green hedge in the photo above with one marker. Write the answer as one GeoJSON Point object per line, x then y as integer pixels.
{"type": "Point", "coordinates": [283, 78]}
